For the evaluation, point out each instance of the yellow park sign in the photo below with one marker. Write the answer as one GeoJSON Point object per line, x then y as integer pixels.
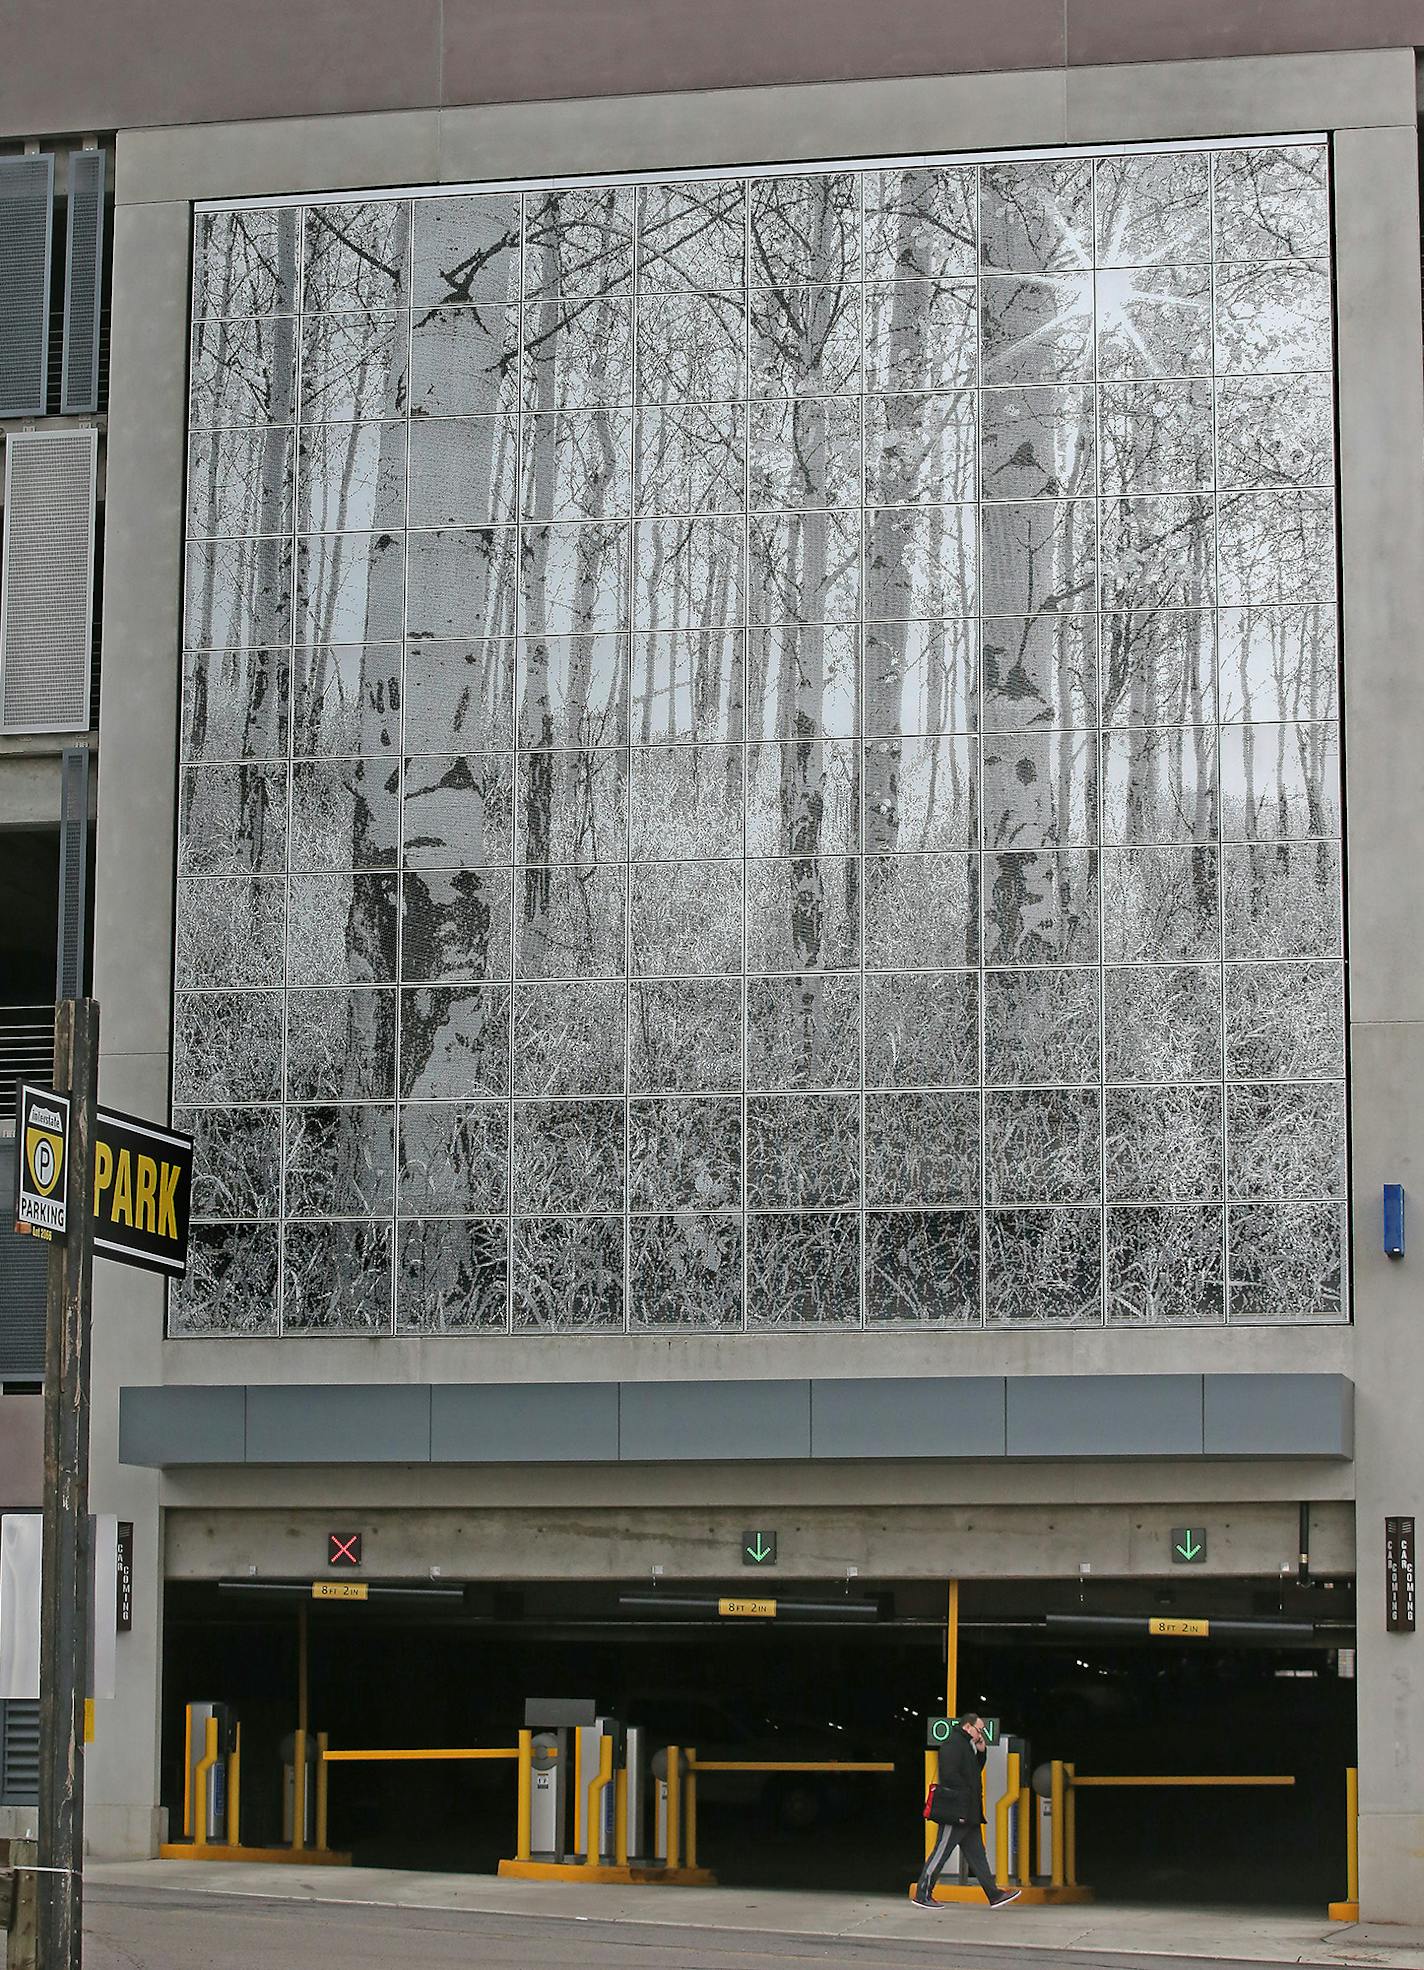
{"type": "Point", "coordinates": [142, 1179]}
{"type": "Point", "coordinates": [143, 1176]}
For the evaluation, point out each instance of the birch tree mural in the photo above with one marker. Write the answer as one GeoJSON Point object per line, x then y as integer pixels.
{"type": "Point", "coordinates": [762, 752]}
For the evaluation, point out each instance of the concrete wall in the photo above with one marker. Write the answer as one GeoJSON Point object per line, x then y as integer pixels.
{"type": "Point", "coordinates": [1369, 100]}
{"type": "Point", "coordinates": [1382, 524]}
{"type": "Point", "coordinates": [21, 1451]}
{"type": "Point", "coordinates": [132, 932]}
{"type": "Point", "coordinates": [71, 66]}
{"type": "Point", "coordinates": [30, 780]}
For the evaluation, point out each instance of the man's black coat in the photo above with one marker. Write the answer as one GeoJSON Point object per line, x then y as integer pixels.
{"type": "Point", "coordinates": [960, 1791]}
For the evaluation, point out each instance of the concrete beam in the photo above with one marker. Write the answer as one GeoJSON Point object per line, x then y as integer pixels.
{"type": "Point", "coordinates": [926, 1542]}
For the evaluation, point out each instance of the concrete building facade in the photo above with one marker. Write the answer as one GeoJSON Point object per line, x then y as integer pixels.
{"type": "Point", "coordinates": [476, 1265]}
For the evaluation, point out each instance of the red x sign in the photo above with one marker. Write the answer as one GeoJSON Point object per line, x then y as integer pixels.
{"type": "Point", "coordinates": [343, 1549]}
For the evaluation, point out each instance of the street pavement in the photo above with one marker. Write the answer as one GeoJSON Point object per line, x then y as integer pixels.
{"type": "Point", "coordinates": [190, 1916]}
{"type": "Point", "coordinates": [156, 1929]}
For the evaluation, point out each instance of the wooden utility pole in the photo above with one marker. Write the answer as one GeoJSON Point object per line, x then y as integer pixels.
{"type": "Point", "coordinates": [65, 1581]}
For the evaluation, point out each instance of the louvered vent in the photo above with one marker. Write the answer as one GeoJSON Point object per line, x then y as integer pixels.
{"type": "Point", "coordinates": [20, 1754]}
{"type": "Point", "coordinates": [73, 871]}
{"type": "Point", "coordinates": [83, 282]}
{"type": "Point", "coordinates": [26, 203]}
{"type": "Point", "coordinates": [24, 1275]}
{"type": "Point", "coordinates": [47, 581]}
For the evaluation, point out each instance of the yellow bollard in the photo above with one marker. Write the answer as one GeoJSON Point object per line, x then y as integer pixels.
{"type": "Point", "coordinates": [524, 1833]}
{"type": "Point", "coordinates": [1352, 1822]}
{"type": "Point", "coordinates": [323, 1773]}
{"type": "Point", "coordinates": [1070, 1827]}
{"type": "Point", "coordinates": [597, 1786]}
{"type": "Point", "coordinates": [188, 1772]}
{"type": "Point", "coordinates": [1056, 1872]}
{"type": "Point", "coordinates": [620, 1817]}
{"type": "Point", "coordinates": [1002, 1811]}
{"type": "Point", "coordinates": [1025, 1810]}
{"type": "Point", "coordinates": [206, 1834]}
{"type": "Point", "coordinates": [674, 1805]}
{"type": "Point", "coordinates": [689, 1811]}
{"type": "Point", "coordinates": [1349, 1909]}
{"type": "Point", "coordinates": [299, 1793]}
{"type": "Point", "coordinates": [234, 1790]}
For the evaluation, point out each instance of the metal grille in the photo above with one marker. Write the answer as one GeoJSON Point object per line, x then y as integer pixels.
{"type": "Point", "coordinates": [26, 1051]}
{"type": "Point", "coordinates": [24, 1271]}
{"type": "Point", "coordinates": [20, 1754]}
{"type": "Point", "coordinates": [73, 872]}
{"type": "Point", "coordinates": [83, 282]}
{"type": "Point", "coordinates": [26, 203]}
{"type": "Point", "coordinates": [47, 581]}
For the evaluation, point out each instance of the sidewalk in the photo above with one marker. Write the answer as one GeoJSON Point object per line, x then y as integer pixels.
{"type": "Point", "coordinates": [1261, 1937]}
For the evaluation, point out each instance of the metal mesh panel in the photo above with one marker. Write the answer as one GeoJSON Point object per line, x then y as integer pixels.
{"type": "Point", "coordinates": [20, 1753]}
{"type": "Point", "coordinates": [47, 581]}
{"type": "Point", "coordinates": [24, 1270]}
{"type": "Point", "coordinates": [83, 280]}
{"type": "Point", "coordinates": [26, 202]}
{"type": "Point", "coordinates": [73, 872]}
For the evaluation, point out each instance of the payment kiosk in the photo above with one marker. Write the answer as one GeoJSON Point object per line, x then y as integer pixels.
{"type": "Point", "coordinates": [288, 1752]}
{"type": "Point", "coordinates": [588, 1755]}
{"type": "Point", "coordinates": [205, 1789]}
{"type": "Point", "coordinates": [557, 1723]}
{"type": "Point", "coordinates": [635, 1762]}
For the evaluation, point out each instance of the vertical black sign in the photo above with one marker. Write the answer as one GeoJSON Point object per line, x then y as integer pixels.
{"type": "Point", "coordinates": [1399, 1576]}
{"type": "Point", "coordinates": [124, 1561]}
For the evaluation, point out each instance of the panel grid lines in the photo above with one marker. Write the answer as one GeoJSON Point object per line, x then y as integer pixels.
{"type": "Point", "coordinates": [960, 835]}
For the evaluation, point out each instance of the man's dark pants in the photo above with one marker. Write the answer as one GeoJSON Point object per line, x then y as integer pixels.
{"type": "Point", "coordinates": [965, 1835]}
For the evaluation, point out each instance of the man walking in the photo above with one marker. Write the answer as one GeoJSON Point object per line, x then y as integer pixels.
{"type": "Point", "coordinates": [958, 1806]}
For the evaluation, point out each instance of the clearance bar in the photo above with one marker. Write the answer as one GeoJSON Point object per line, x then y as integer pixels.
{"type": "Point", "coordinates": [745, 1607]}
{"type": "Point", "coordinates": [1174, 1628]}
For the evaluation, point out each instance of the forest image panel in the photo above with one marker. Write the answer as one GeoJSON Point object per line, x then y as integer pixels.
{"type": "Point", "coordinates": [762, 752]}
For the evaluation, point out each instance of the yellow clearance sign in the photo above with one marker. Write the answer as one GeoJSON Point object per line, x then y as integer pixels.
{"type": "Point", "coordinates": [756, 1610]}
{"type": "Point", "coordinates": [143, 1178]}
{"type": "Point", "coordinates": [42, 1179]}
{"type": "Point", "coordinates": [1178, 1630]}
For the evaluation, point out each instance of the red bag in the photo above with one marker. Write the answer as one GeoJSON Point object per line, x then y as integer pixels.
{"type": "Point", "coordinates": [929, 1802]}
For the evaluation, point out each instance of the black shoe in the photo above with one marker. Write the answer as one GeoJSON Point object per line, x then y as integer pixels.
{"type": "Point", "coordinates": [1004, 1896]}
{"type": "Point", "coordinates": [923, 1901]}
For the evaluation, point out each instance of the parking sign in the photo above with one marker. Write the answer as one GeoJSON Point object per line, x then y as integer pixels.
{"type": "Point", "coordinates": [42, 1166]}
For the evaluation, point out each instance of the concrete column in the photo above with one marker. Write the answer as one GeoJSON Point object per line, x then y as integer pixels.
{"type": "Point", "coordinates": [1382, 530]}
{"type": "Point", "coordinates": [133, 937]}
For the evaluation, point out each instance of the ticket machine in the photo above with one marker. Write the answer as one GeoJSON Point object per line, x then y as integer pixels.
{"type": "Point", "coordinates": [556, 1722]}
{"type": "Point", "coordinates": [635, 1761]}
{"type": "Point", "coordinates": [205, 1785]}
{"type": "Point", "coordinates": [588, 1754]}
{"type": "Point", "coordinates": [287, 1750]}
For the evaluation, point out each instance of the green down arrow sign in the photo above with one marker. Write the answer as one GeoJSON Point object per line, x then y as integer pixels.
{"type": "Point", "coordinates": [758, 1549]}
{"type": "Point", "coordinates": [1188, 1545]}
